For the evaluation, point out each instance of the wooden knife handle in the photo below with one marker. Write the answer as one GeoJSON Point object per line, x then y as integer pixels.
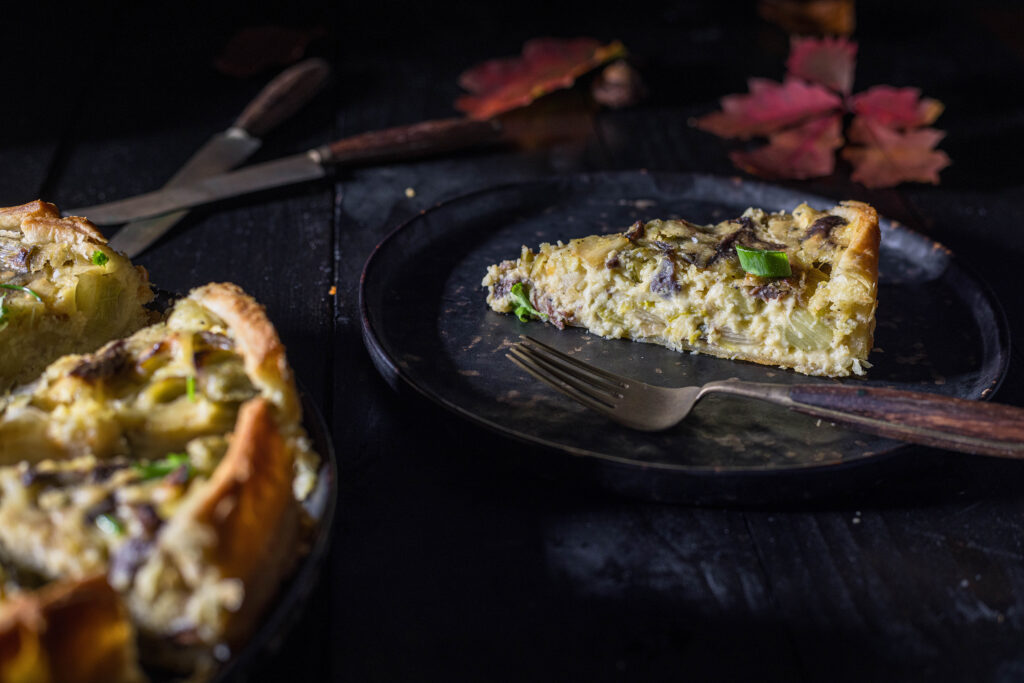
{"type": "Point", "coordinates": [929, 419]}
{"type": "Point", "coordinates": [418, 139]}
{"type": "Point", "coordinates": [283, 96]}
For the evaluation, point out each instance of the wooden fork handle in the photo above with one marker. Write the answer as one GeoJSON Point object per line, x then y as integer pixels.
{"type": "Point", "coordinates": [929, 419]}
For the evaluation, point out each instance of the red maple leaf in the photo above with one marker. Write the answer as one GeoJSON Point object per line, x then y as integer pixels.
{"type": "Point", "coordinates": [801, 118]}
{"type": "Point", "coordinates": [769, 107]}
{"type": "Point", "coordinates": [888, 157]}
{"type": "Point", "coordinates": [807, 151]}
{"type": "Point", "coordinates": [547, 64]}
{"type": "Point", "coordinates": [829, 61]}
{"type": "Point", "coordinates": [896, 107]}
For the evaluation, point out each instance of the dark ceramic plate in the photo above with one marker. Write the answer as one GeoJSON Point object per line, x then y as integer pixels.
{"type": "Point", "coordinates": [426, 323]}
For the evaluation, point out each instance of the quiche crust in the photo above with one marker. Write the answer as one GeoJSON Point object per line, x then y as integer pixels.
{"type": "Point", "coordinates": [256, 341]}
{"type": "Point", "coordinates": [678, 284]}
{"type": "Point", "coordinates": [63, 289]}
{"type": "Point", "coordinates": [68, 632]}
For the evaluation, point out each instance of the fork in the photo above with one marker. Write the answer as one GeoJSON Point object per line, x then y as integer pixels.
{"type": "Point", "coordinates": [917, 417]}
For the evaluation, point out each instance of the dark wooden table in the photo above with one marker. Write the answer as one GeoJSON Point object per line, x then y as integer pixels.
{"type": "Point", "coordinates": [451, 560]}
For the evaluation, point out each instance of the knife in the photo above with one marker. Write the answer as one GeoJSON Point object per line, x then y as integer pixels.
{"type": "Point", "coordinates": [402, 142]}
{"type": "Point", "coordinates": [278, 100]}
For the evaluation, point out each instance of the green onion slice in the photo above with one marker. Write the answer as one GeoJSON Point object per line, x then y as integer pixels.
{"type": "Point", "coordinates": [99, 258]}
{"type": "Point", "coordinates": [764, 262]}
{"type": "Point", "coordinates": [19, 288]}
{"type": "Point", "coordinates": [109, 524]}
{"type": "Point", "coordinates": [161, 468]}
{"type": "Point", "coordinates": [524, 308]}
{"type": "Point", "coordinates": [190, 387]}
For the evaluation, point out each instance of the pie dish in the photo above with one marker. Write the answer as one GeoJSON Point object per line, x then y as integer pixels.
{"type": "Point", "coordinates": [62, 290]}
{"type": "Point", "coordinates": [684, 286]}
{"type": "Point", "coordinates": [171, 464]}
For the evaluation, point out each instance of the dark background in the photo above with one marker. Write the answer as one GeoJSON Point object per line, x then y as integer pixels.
{"type": "Point", "coordinates": [455, 556]}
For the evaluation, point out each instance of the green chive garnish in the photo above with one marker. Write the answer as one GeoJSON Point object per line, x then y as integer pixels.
{"type": "Point", "coordinates": [524, 308]}
{"type": "Point", "coordinates": [190, 388]}
{"type": "Point", "coordinates": [109, 524]}
{"type": "Point", "coordinates": [161, 468]}
{"type": "Point", "coordinates": [99, 258]}
{"type": "Point", "coordinates": [764, 262]}
{"type": "Point", "coordinates": [19, 288]}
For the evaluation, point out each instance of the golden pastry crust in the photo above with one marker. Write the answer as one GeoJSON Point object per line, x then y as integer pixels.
{"type": "Point", "coordinates": [681, 285]}
{"type": "Point", "coordinates": [11, 217]}
{"type": "Point", "coordinates": [68, 632]}
{"type": "Point", "coordinates": [256, 340]}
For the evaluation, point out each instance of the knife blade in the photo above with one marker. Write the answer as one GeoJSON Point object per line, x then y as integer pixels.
{"type": "Point", "coordinates": [278, 100]}
{"type": "Point", "coordinates": [402, 142]}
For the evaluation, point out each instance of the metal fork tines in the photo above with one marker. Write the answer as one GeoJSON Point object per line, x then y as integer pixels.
{"type": "Point", "coordinates": [585, 383]}
{"type": "Point", "coordinates": [627, 401]}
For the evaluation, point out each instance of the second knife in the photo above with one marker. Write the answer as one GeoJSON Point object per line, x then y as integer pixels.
{"type": "Point", "coordinates": [281, 98]}
{"type": "Point", "coordinates": [402, 142]}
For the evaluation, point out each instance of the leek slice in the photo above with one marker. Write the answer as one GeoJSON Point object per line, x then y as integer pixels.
{"type": "Point", "coordinates": [764, 262]}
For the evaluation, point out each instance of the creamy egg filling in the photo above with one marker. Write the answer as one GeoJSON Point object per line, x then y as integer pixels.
{"type": "Point", "coordinates": [681, 285]}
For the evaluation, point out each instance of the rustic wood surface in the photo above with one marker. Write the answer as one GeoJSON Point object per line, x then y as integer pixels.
{"type": "Point", "coordinates": [450, 560]}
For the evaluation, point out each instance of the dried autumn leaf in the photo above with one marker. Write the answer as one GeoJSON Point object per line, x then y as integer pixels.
{"type": "Point", "coordinates": [896, 107]}
{"type": "Point", "coordinates": [889, 157]}
{"type": "Point", "coordinates": [547, 64]}
{"type": "Point", "coordinates": [807, 17]}
{"type": "Point", "coordinates": [829, 61]}
{"type": "Point", "coordinates": [769, 107]}
{"type": "Point", "coordinates": [807, 151]}
{"type": "Point", "coordinates": [802, 119]}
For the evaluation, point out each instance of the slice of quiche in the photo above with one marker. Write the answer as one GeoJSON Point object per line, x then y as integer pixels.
{"type": "Point", "coordinates": [62, 290]}
{"type": "Point", "coordinates": [796, 290]}
{"type": "Point", "coordinates": [152, 393]}
{"type": "Point", "coordinates": [173, 463]}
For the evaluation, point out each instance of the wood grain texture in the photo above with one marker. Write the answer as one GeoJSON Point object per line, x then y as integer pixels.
{"type": "Point", "coordinates": [931, 420]}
